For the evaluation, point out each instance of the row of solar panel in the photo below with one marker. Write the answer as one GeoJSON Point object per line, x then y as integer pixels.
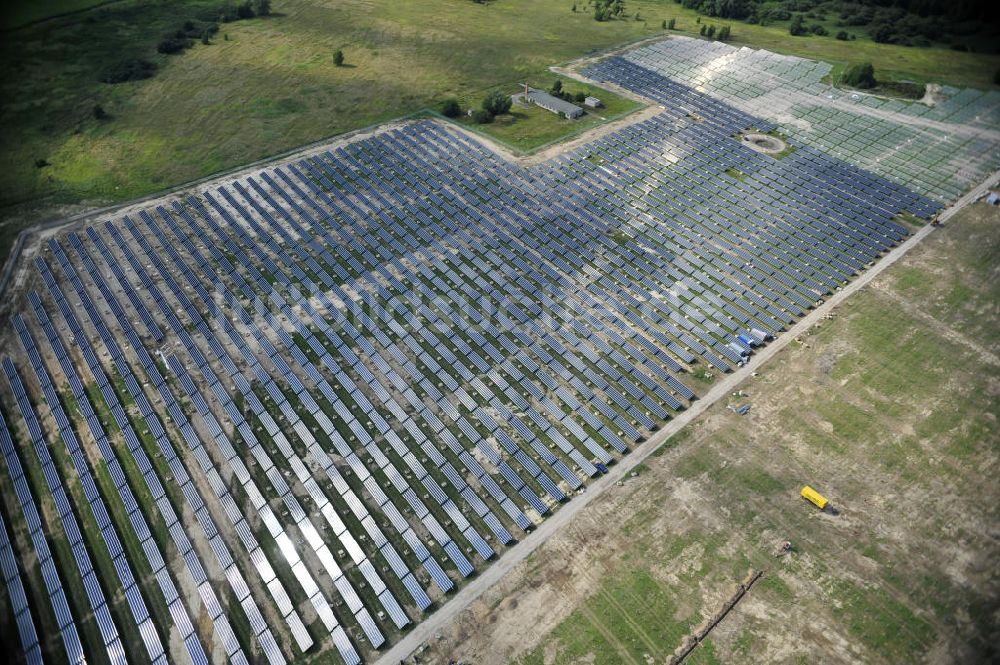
{"type": "Point", "coordinates": [67, 518]}
{"type": "Point", "coordinates": [189, 492]}
{"type": "Point", "coordinates": [18, 599]}
{"type": "Point", "coordinates": [29, 509]}
{"type": "Point", "coordinates": [98, 508]}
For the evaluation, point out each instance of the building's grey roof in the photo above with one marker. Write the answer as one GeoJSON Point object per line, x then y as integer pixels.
{"type": "Point", "coordinates": [545, 100]}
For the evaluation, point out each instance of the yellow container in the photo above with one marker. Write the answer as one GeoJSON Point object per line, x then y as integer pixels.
{"type": "Point", "coordinates": [814, 497]}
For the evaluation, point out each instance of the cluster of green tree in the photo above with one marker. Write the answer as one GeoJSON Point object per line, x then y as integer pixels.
{"type": "Point", "coordinates": [557, 90]}
{"type": "Point", "coordinates": [133, 69]}
{"type": "Point", "coordinates": [494, 104]}
{"type": "Point", "coordinates": [798, 28]}
{"type": "Point", "coordinates": [605, 10]}
{"type": "Point", "coordinates": [246, 9]}
{"type": "Point", "coordinates": [905, 22]}
{"type": "Point", "coordinates": [183, 37]}
{"type": "Point", "coordinates": [709, 31]}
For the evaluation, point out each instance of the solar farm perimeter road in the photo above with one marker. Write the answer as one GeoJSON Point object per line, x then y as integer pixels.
{"type": "Point", "coordinates": [426, 629]}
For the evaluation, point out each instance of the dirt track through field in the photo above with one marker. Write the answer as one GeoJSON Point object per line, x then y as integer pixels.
{"type": "Point", "coordinates": [425, 630]}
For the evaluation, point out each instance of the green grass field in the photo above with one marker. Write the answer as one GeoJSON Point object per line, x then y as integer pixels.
{"type": "Point", "coordinates": [890, 409]}
{"type": "Point", "coordinates": [266, 86]}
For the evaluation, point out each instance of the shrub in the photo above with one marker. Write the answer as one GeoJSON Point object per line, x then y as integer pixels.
{"type": "Point", "coordinates": [482, 117]}
{"type": "Point", "coordinates": [724, 33]}
{"type": "Point", "coordinates": [605, 10]}
{"type": "Point", "coordinates": [245, 10]}
{"type": "Point", "coordinates": [774, 14]}
{"type": "Point", "coordinates": [263, 7]}
{"type": "Point", "coordinates": [710, 32]}
{"type": "Point", "coordinates": [450, 108]}
{"type": "Point", "coordinates": [861, 75]}
{"type": "Point", "coordinates": [882, 34]}
{"type": "Point", "coordinates": [41, 163]}
{"type": "Point", "coordinates": [671, 23]}
{"type": "Point", "coordinates": [818, 29]}
{"type": "Point", "coordinates": [134, 69]}
{"type": "Point", "coordinates": [171, 45]}
{"type": "Point", "coordinates": [496, 103]}
{"type": "Point", "coordinates": [797, 27]}
{"type": "Point", "coordinates": [557, 87]}
{"type": "Point", "coordinates": [842, 35]}
{"type": "Point", "coordinates": [338, 58]}
{"type": "Point", "coordinates": [580, 97]}
{"type": "Point", "coordinates": [100, 113]}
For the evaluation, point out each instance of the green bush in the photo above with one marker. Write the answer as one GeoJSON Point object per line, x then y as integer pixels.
{"type": "Point", "coordinates": [496, 103]}
{"type": "Point", "coordinates": [173, 44]}
{"type": "Point", "coordinates": [860, 75]}
{"type": "Point", "coordinates": [842, 35]}
{"type": "Point", "coordinates": [482, 117]}
{"type": "Point", "coordinates": [797, 26]}
{"type": "Point", "coordinates": [451, 109]}
{"type": "Point", "coordinates": [134, 69]}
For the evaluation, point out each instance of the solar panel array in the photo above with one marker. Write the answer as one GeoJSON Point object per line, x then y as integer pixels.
{"type": "Point", "coordinates": [937, 150]}
{"type": "Point", "coordinates": [12, 582]}
{"type": "Point", "coordinates": [348, 382]}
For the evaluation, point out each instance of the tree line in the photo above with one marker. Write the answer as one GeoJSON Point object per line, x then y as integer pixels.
{"type": "Point", "coordinates": [904, 22]}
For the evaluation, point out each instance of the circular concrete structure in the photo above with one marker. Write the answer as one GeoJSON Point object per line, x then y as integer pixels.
{"type": "Point", "coordinates": [763, 142]}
